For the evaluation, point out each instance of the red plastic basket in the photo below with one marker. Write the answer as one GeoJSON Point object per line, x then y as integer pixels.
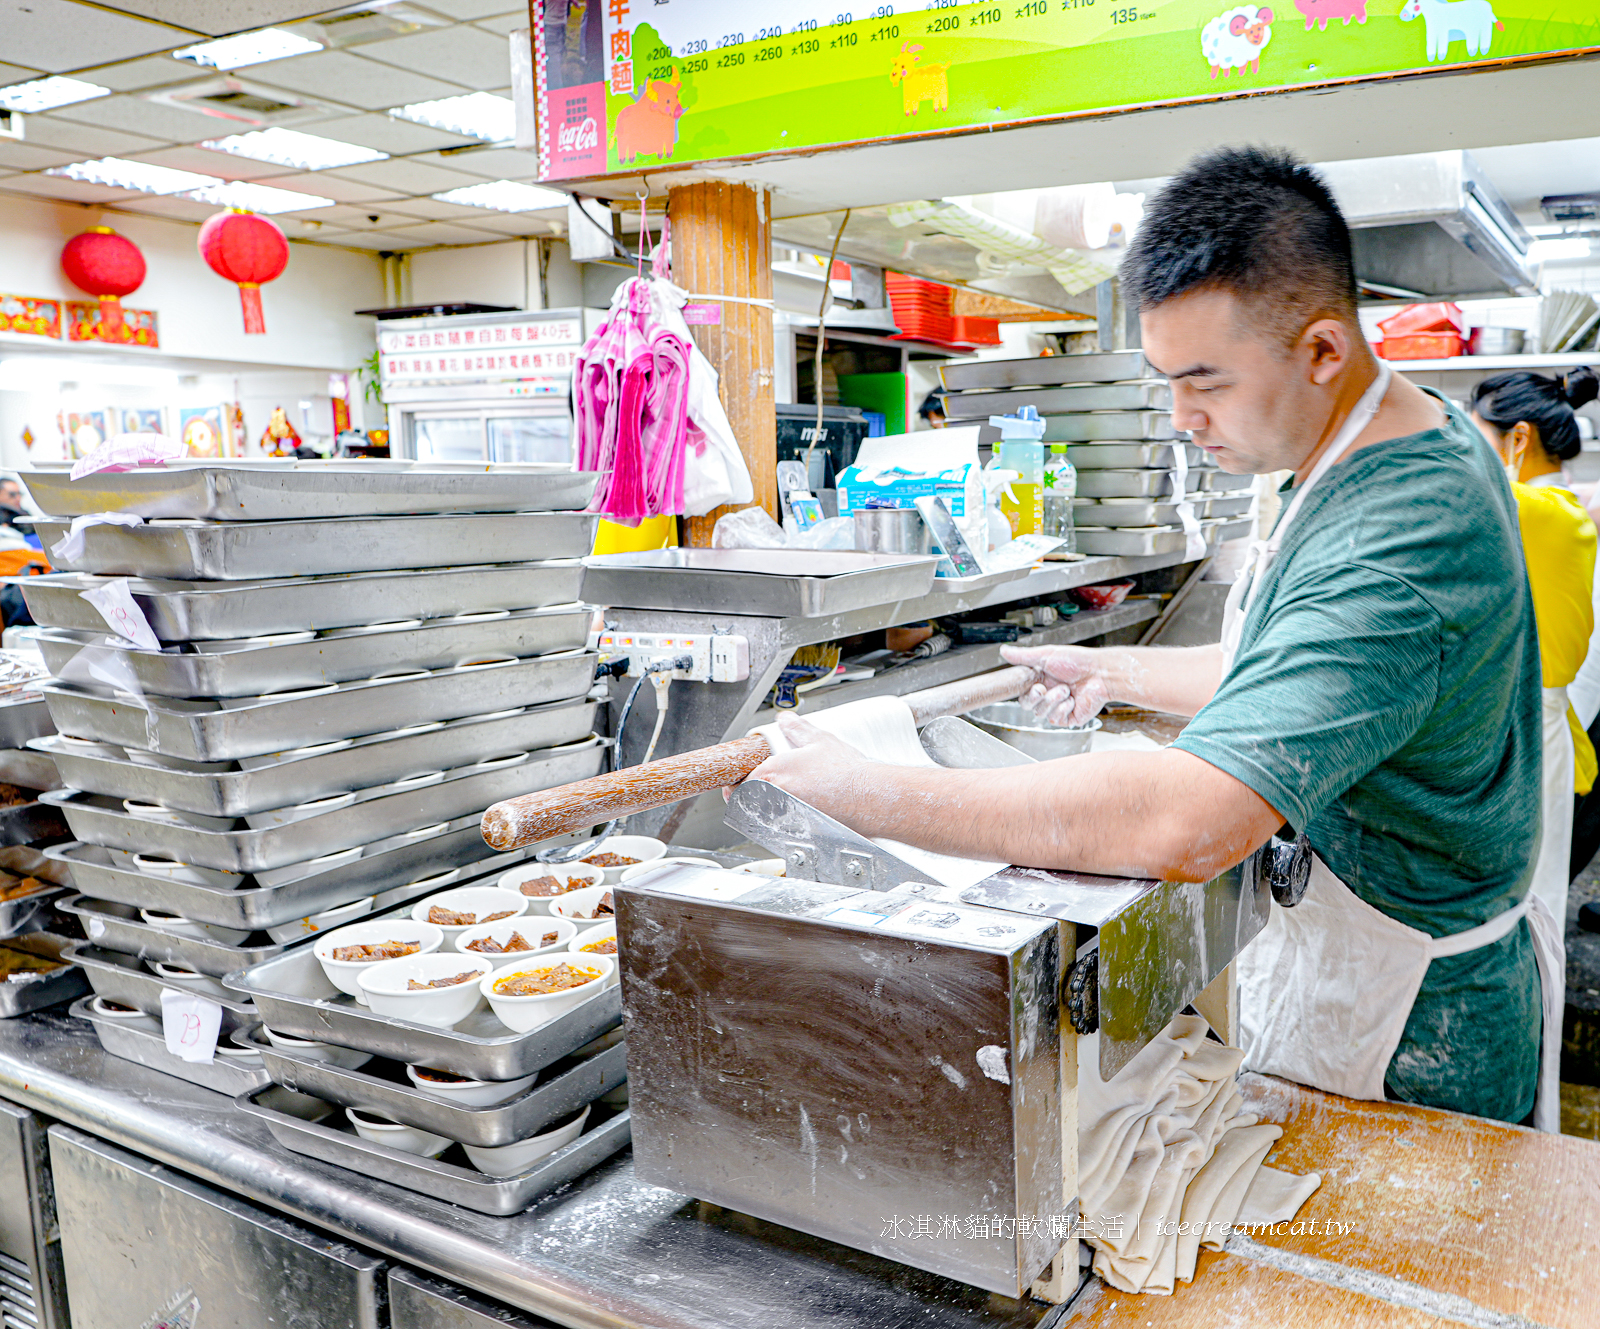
{"type": "Point", "coordinates": [1422, 346]}
{"type": "Point", "coordinates": [971, 331]}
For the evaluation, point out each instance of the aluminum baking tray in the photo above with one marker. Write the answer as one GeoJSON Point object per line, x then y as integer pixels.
{"type": "Point", "coordinates": [245, 551]}
{"type": "Point", "coordinates": [384, 1087]}
{"type": "Point", "coordinates": [374, 759]}
{"type": "Point", "coordinates": [1230, 505]}
{"type": "Point", "coordinates": [27, 822]}
{"type": "Point", "coordinates": [1133, 512]}
{"type": "Point", "coordinates": [107, 874]}
{"type": "Point", "coordinates": [208, 731]}
{"type": "Point", "coordinates": [29, 769]}
{"type": "Point", "coordinates": [142, 1041]}
{"type": "Point", "coordinates": [21, 913]}
{"type": "Point", "coordinates": [19, 996]}
{"type": "Point", "coordinates": [118, 927]}
{"type": "Point", "coordinates": [1134, 540]}
{"type": "Point", "coordinates": [1124, 456]}
{"type": "Point", "coordinates": [224, 611]}
{"type": "Point", "coordinates": [96, 819]}
{"type": "Point", "coordinates": [124, 978]}
{"type": "Point", "coordinates": [1130, 484]}
{"type": "Point", "coordinates": [1097, 425]}
{"type": "Point", "coordinates": [1046, 371]}
{"type": "Point", "coordinates": [342, 655]}
{"type": "Point", "coordinates": [24, 717]}
{"type": "Point", "coordinates": [1148, 394]}
{"type": "Point", "coordinates": [298, 1122]}
{"type": "Point", "coordinates": [1224, 482]}
{"type": "Point", "coordinates": [778, 583]}
{"type": "Point", "coordinates": [294, 997]}
{"type": "Point", "coordinates": [291, 491]}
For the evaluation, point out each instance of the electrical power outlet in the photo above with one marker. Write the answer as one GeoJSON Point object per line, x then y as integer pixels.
{"type": "Point", "coordinates": [718, 657]}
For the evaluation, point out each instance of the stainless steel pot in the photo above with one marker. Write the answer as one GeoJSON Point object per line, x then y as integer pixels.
{"type": "Point", "coordinates": [1012, 722]}
{"type": "Point", "coordinates": [1496, 341]}
{"type": "Point", "coordinates": [892, 531]}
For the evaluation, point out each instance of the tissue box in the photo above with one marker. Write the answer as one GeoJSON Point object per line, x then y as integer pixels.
{"type": "Point", "coordinates": [896, 470]}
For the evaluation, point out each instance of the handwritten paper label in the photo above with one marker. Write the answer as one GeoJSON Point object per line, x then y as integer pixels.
{"type": "Point", "coordinates": [191, 1024]}
{"type": "Point", "coordinates": [122, 614]}
{"type": "Point", "coordinates": [127, 452]}
{"type": "Point", "coordinates": [706, 313]}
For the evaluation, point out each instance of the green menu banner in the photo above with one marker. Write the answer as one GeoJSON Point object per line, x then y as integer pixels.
{"type": "Point", "coordinates": [629, 85]}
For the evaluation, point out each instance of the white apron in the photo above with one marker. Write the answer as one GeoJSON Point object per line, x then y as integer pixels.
{"type": "Point", "coordinates": [1326, 988]}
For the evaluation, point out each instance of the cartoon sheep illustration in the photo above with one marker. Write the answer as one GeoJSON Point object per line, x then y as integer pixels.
{"type": "Point", "coordinates": [1446, 21]}
{"type": "Point", "coordinates": [1236, 39]}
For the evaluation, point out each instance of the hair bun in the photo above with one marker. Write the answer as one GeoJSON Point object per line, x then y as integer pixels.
{"type": "Point", "coordinates": [1580, 387]}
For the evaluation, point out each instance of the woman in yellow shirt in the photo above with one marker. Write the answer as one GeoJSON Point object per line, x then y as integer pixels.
{"type": "Point", "coordinates": [1529, 421]}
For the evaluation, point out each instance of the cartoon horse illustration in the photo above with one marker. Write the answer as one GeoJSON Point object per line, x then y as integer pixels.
{"type": "Point", "coordinates": [919, 82]}
{"type": "Point", "coordinates": [1469, 21]}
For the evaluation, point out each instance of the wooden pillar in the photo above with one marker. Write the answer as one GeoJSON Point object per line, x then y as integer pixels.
{"type": "Point", "coordinates": [722, 245]}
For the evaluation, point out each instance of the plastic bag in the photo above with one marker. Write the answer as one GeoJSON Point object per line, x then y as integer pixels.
{"type": "Point", "coordinates": [829, 533]}
{"type": "Point", "coordinates": [748, 528]}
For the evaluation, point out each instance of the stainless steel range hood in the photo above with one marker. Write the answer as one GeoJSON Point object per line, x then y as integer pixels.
{"type": "Point", "coordinates": [1430, 225]}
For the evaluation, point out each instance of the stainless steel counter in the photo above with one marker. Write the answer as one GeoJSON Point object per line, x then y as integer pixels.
{"type": "Point", "coordinates": [608, 1252]}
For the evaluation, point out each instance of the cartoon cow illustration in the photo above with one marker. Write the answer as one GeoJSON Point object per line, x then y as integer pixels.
{"type": "Point", "coordinates": [1320, 11]}
{"type": "Point", "coordinates": [919, 82]}
{"type": "Point", "coordinates": [648, 125]}
{"type": "Point", "coordinates": [1470, 21]}
{"type": "Point", "coordinates": [1236, 39]}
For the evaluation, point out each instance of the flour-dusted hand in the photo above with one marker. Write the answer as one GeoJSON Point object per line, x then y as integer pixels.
{"type": "Point", "coordinates": [818, 768]}
{"type": "Point", "coordinates": [1070, 684]}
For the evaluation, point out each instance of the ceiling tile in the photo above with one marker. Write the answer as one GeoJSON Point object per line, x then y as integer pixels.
{"type": "Point", "coordinates": [58, 36]}
{"type": "Point", "coordinates": [504, 24]}
{"type": "Point", "coordinates": [166, 123]}
{"type": "Point", "coordinates": [436, 233]}
{"type": "Point", "coordinates": [85, 141]}
{"type": "Point", "coordinates": [217, 20]}
{"type": "Point", "coordinates": [16, 156]}
{"type": "Point", "coordinates": [56, 186]}
{"type": "Point", "coordinates": [153, 71]}
{"type": "Point", "coordinates": [432, 209]}
{"type": "Point", "coordinates": [487, 163]}
{"type": "Point", "coordinates": [521, 223]}
{"type": "Point", "coordinates": [162, 205]}
{"type": "Point", "coordinates": [222, 164]}
{"type": "Point", "coordinates": [406, 175]}
{"type": "Point", "coordinates": [463, 55]}
{"type": "Point", "coordinates": [359, 240]}
{"type": "Point", "coordinates": [343, 77]}
{"type": "Point", "coordinates": [16, 74]}
{"type": "Point", "coordinates": [350, 217]}
{"type": "Point", "coordinates": [473, 9]}
{"type": "Point", "coordinates": [331, 186]}
{"type": "Point", "coordinates": [387, 134]}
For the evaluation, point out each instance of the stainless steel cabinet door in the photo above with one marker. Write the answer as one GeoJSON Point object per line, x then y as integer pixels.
{"type": "Point", "coordinates": [419, 1302]}
{"type": "Point", "coordinates": [31, 1283]}
{"type": "Point", "coordinates": [144, 1245]}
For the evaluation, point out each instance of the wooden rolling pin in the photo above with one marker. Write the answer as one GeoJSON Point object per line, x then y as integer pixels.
{"type": "Point", "coordinates": [573, 807]}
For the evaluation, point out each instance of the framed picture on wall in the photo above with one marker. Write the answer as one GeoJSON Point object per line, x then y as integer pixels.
{"type": "Point", "coordinates": [87, 430]}
{"type": "Point", "coordinates": [144, 420]}
{"type": "Point", "coordinates": [202, 431]}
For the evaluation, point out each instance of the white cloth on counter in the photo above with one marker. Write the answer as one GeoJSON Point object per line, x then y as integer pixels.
{"type": "Point", "coordinates": [883, 729]}
{"type": "Point", "coordinates": [1168, 1157]}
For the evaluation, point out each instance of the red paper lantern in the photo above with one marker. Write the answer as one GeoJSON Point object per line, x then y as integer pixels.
{"type": "Point", "coordinates": [108, 267]}
{"type": "Point", "coordinates": [244, 248]}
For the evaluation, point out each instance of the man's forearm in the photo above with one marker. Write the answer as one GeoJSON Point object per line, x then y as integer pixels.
{"type": "Point", "coordinates": [1177, 680]}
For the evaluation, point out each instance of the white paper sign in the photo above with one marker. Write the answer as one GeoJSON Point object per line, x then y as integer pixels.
{"type": "Point", "coordinates": [122, 614]}
{"type": "Point", "coordinates": [1194, 539]}
{"type": "Point", "coordinates": [191, 1024]}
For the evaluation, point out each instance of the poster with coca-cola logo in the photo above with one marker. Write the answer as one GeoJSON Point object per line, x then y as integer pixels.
{"type": "Point", "coordinates": [570, 72]}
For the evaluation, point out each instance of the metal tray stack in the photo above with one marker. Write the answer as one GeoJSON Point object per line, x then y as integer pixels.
{"type": "Point", "coordinates": [396, 645]}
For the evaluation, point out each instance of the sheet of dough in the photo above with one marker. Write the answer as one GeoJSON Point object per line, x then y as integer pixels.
{"type": "Point", "coordinates": [883, 729]}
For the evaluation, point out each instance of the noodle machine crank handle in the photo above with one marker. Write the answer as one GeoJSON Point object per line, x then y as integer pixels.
{"type": "Point", "coordinates": [530, 818]}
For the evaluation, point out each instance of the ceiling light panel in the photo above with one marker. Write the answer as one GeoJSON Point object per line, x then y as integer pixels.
{"type": "Point", "coordinates": [248, 48]}
{"type": "Point", "coordinates": [45, 94]}
{"type": "Point", "coordinates": [257, 198]}
{"type": "Point", "coordinates": [289, 147]}
{"type": "Point", "coordinates": [148, 178]}
{"type": "Point", "coordinates": [368, 23]}
{"type": "Point", "coordinates": [479, 115]}
{"type": "Point", "coordinates": [1558, 250]}
{"type": "Point", "coordinates": [505, 196]}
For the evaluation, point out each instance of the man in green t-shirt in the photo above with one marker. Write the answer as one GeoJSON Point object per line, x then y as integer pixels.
{"type": "Point", "coordinates": [1378, 688]}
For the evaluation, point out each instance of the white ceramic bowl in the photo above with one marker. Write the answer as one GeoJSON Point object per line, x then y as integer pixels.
{"type": "Point", "coordinates": [263, 821]}
{"type": "Point", "coordinates": [591, 936]}
{"type": "Point", "coordinates": [474, 900]}
{"type": "Point", "coordinates": [294, 754]}
{"type": "Point", "coordinates": [182, 976]}
{"type": "Point", "coordinates": [533, 928]}
{"type": "Point", "coordinates": [639, 869]}
{"type": "Point", "coordinates": [407, 1139]}
{"type": "Point", "coordinates": [472, 1093]}
{"type": "Point", "coordinates": [579, 906]}
{"type": "Point", "coordinates": [520, 1014]}
{"type": "Point", "coordinates": [171, 817]}
{"type": "Point", "coordinates": [640, 847]}
{"type": "Point", "coordinates": [115, 1010]}
{"type": "Point", "coordinates": [540, 904]}
{"type": "Point", "coordinates": [417, 780]}
{"type": "Point", "coordinates": [345, 974]}
{"type": "Point", "coordinates": [287, 694]}
{"type": "Point", "coordinates": [169, 869]}
{"type": "Point", "coordinates": [509, 1159]}
{"type": "Point", "coordinates": [187, 927]}
{"type": "Point", "coordinates": [237, 1053]}
{"type": "Point", "coordinates": [385, 987]}
{"type": "Point", "coordinates": [331, 1053]}
{"type": "Point", "coordinates": [320, 922]}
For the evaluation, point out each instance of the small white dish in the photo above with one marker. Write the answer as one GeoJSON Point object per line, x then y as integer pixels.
{"type": "Point", "coordinates": [487, 662]}
{"type": "Point", "coordinates": [184, 977]}
{"type": "Point", "coordinates": [169, 869]}
{"type": "Point", "coordinates": [762, 867]}
{"type": "Point", "coordinates": [115, 1010]}
{"type": "Point", "coordinates": [331, 1053]}
{"type": "Point", "coordinates": [172, 817]}
{"type": "Point", "coordinates": [234, 1052]}
{"type": "Point", "coordinates": [479, 616]}
{"type": "Point", "coordinates": [387, 988]}
{"type": "Point", "coordinates": [639, 869]}
{"type": "Point", "coordinates": [528, 873]}
{"type": "Point", "coordinates": [478, 901]}
{"type": "Point", "coordinates": [640, 848]}
{"type": "Point", "coordinates": [532, 928]}
{"type": "Point", "coordinates": [404, 785]}
{"type": "Point", "coordinates": [160, 761]}
{"type": "Point", "coordinates": [582, 906]}
{"type": "Point", "coordinates": [408, 1139]}
{"type": "Point", "coordinates": [509, 1159]}
{"type": "Point", "coordinates": [293, 754]}
{"type": "Point", "coordinates": [391, 675]}
{"type": "Point", "coordinates": [520, 1014]}
{"type": "Point", "coordinates": [597, 936]}
{"type": "Point", "coordinates": [401, 894]}
{"type": "Point", "coordinates": [288, 694]}
{"type": "Point", "coordinates": [344, 974]}
{"type": "Point", "coordinates": [321, 922]}
{"type": "Point", "coordinates": [397, 625]}
{"type": "Point", "coordinates": [469, 1093]}
{"type": "Point", "coordinates": [187, 927]}
{"type": "Point", "coordinates": [263, 821]}
{"type": "Point", "coordinates": [500, 763]}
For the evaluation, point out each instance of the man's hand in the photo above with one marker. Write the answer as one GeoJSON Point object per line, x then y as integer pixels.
{"type": "Point", "coordinates": [1072, 684]}
{"type": "Point", "coordinates": [1069, 685]}
{"type": "Point", "coordinates": [821, 770]}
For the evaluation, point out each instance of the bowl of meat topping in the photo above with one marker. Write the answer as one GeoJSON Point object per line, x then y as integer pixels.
{"type": "Point", "coordinates": [468, 907]}
{"type": "Point", "coordinates": [591, 905]}
{"type": "Point", "coordinates": [311, 1050]}
{"type": "Point", "coordinates": [600, 940]}
{"type": "Point", "coordinates": [347, 952]}
{"type": "Point", "coordinates": [385, 1131]}
{"type": "Point", "coordinates": [439, 989]}
{"type": "Point", "coordinates": [463, 1092]}
{"type": "Point", "coordinates": [623, 851]}
{"type": "Point", "coordinates": [507, 1160]}
{"type": "Point", "coordinates": [525, 996]}
{"type": "Point", "coordinates": [516, 938]}
{"type": "Point", "coordinates": [542, 882]}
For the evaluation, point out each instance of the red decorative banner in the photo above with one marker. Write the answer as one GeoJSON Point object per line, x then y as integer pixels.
{"type": "Point", "coordinates": [30, 316]}
{"type": "Point", "coordinates": [138, 325]}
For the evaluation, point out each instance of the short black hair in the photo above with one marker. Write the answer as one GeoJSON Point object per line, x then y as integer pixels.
{"type": "Point", "coordinates": [1257, 222]}
{"type": "Point", "coordinates": [1507, 400]}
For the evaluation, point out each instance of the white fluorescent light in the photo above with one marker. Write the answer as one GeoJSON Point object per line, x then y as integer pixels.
{"type": "Point", "coordinates": [504, 196]}
{"type": "Point", "coordinates": [1553, 251]}
{"type": "Point", "coordinates": [148, 178]}
{"type": "Point", "coordinates": [45, 94]}
{"type": "Point", "coordinates": [289, 147]}
{"type": "Point", "coordinates": [248, 48]}
{"type": "Point", "coordinates": [474, 114]}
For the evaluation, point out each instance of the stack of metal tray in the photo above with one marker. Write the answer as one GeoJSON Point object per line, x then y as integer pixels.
{"type": "Point", "coordinates": [140, 1039]}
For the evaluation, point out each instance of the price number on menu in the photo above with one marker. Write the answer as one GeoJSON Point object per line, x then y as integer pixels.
{"type": "Point", "coordinates": [1128, 16]}
{"type": "Point", "coordinates": [985, 17]}
{"type": "Point", "coordinates": [1035, 9]}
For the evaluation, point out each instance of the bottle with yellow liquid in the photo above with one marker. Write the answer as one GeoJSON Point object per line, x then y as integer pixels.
{"type": "Point", "coordinates": [1022, 450]}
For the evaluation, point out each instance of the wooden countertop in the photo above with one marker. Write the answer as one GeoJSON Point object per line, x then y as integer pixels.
{"type": "Point", "coordinates": [1423, 1218]}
